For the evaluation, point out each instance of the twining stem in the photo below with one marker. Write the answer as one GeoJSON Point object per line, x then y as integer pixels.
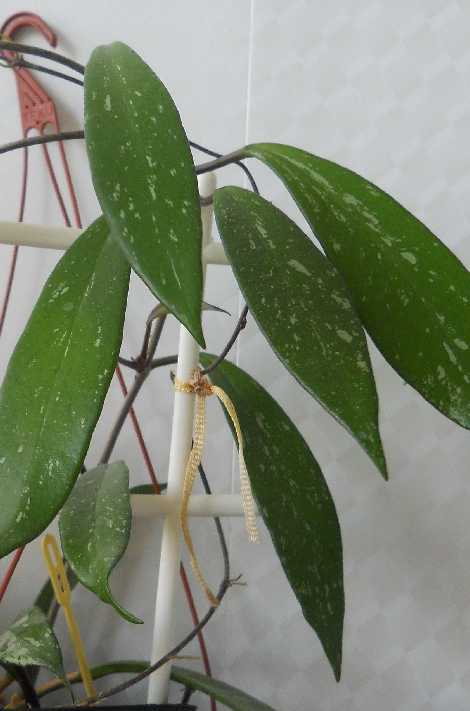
{"type": "Point", "coordinates": [238, 328]}
{"type": "Point", "coordinates": [98, 672]}
{"type": "Point", "coordinates": [144, 368]}
{"type": "Point", "coordinates": [140, 379]}
{"type": "Point", "coordinates": [220, 162]}
{"type": "Point", "coordinates": [112, 691]}
{"type": "Point", "coordinates": [240, 163]}
{"type": "Point", "coordinates": [131, 666]}
{"type": "Point", "coordinates": [224, 586]}
{"type": "Point", "coordinates": [41, 52]}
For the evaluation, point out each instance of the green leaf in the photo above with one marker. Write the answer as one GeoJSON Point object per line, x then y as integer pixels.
{"type": "Point", "coordinates": [302, 306]}
{"type": "Point", "coordinates": [228, 695]}
{"type": "Point", "coordinates": [295, 503]}
{"type": "Point", "coordinates": [95, 526]}
{"type": "Point", "coordinates": [411, 292]}
{"type": "Point", "coordinates": [56, 382]}
{"type": "Point", "coordinates": [30, 641]}
{"type": "Point", "coordinates": [144, 177]}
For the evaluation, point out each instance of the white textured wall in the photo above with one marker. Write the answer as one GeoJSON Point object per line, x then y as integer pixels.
{"type": "Point", "coordinates": [383, 88]}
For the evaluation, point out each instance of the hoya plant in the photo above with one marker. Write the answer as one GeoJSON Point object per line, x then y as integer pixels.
{"type": "Point", "coordinates": [379, 271]}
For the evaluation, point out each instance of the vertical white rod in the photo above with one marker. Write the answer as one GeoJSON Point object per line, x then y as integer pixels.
{"type": "Point", "coordinates": [181, 437]}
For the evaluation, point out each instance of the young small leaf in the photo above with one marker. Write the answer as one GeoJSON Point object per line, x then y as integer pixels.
{"type": "Point", "coordinates": [56, 382]}
{"type": "Point", "coordinates": [302, 306]}
{"type": "Point", "coordinates": [295, 503]}
{"type": "Point", "coordinates": [411, 292]}
{"type": "Point", "coordinates": [95, 526]}
{"type": "Point", "coordinates": [30, 641]}
{"type": "Point", "coordinates": [229, 696]}
{"type": "Point", "coordinates": [144, 177]}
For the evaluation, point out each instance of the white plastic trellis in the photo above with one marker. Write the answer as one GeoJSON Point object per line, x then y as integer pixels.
{"type": "Point", "coordinates": [180, 445]}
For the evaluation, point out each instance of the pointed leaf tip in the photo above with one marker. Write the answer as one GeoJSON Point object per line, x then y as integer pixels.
{"type": "Point", "coordinates": [411, 293]}
{"type": "Point", "coordinates": [295, 504]}
{"type": "Point", "coordinates": [144, 177]}
{"type": "Point", "coordinates": [95, 526]}
{"type": "Point", "coordinates": [229, 696]}
{"type": "Point", "coordinates": [302, 306]}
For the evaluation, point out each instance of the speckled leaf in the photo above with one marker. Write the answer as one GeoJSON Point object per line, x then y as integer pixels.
{"type": "Point", "coordinates": [411, 292]}
{"type": "Point", "coordinates": [229, 696]}
{"type": "Point", "coordinates": [56, 382]}
{"type": "Point", "coordinates": [295, 503]}
{"type": "Point", "coordinates": [95, 526]}
{"type": "Point", "coordinates": [30, 641]}
{"type": "Point", "coordinates": [144, 177]}
{"type": "Point", "coordinates": [301, 304]}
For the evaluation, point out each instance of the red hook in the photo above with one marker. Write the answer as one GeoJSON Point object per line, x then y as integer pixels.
{"type": "Point", "coordinates": [37, 109]}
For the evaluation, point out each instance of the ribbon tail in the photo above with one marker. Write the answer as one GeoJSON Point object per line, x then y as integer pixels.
{"type": "Point", "coordinates": [189, 478]}
{"type": "Point", "coordinates": [248, 501]}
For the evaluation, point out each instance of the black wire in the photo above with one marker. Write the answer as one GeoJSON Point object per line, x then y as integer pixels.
{"type": "Point", "coordinates": [39, 68]}
{"type": "Point", "coordinates": [7, 45]}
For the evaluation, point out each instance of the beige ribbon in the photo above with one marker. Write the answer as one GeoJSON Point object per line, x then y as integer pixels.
{"type": "Point", "coordinates": [202, 389]}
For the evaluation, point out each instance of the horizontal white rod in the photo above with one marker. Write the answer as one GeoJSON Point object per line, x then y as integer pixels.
{"type": "Point", "coordinates": [45, 236]}
{"type": "Point", "coordinates": [148, 505]}
{"type": "Point", "coordinates": [48, 237]}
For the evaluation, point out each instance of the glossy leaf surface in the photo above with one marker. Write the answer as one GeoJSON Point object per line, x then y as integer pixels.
{"type": "Point", "coordinates": [411, 292]}
{"type": "Point", "coordinates": [229, 696]}
{"type": "Point", "coordinates": [295, 503]}
{"type": "Point", "coordinates": [30, 641]}
{"type": "Point", "coordinates": [302, 306]}
{"type": "Point", "coordinates": [144, 177]}
{"type": "Point", "coordinates": [95, 526]}
{"type": "Point", "coordinates": [56, 382]}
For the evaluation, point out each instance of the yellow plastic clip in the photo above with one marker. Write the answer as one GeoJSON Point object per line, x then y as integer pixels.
{"type": "Point", "coordinates": [60, 583]}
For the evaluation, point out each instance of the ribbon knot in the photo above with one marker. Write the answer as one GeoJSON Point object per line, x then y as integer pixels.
{"type": "Point", "coordinates": [200, 386]}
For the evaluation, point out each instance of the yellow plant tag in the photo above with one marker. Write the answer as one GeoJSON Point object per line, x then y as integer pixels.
{"type": "Point", "coordinates": [60, 583]}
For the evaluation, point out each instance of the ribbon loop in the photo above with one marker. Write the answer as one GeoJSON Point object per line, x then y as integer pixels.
{"type": "Point", "coordinates": [202, 389]}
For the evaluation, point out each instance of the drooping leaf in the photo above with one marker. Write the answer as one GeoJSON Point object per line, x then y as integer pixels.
{"type": "Point", "coordinates": [56, 382]}
{"type": "Point", "coordinates": [144, 177]}
{"type": "Point", "coordinates": [302, 306]}
{"type": "Point", "coordinates": [95, 526]}
{"type": "Point", "coordinates": [295, 503]}
{"type": "Point", "coordinates": [30, 641]}
{"type": "Point", "coordinates": [229, 696]}
{"type": "Point", "coordinates": [411, 292]}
